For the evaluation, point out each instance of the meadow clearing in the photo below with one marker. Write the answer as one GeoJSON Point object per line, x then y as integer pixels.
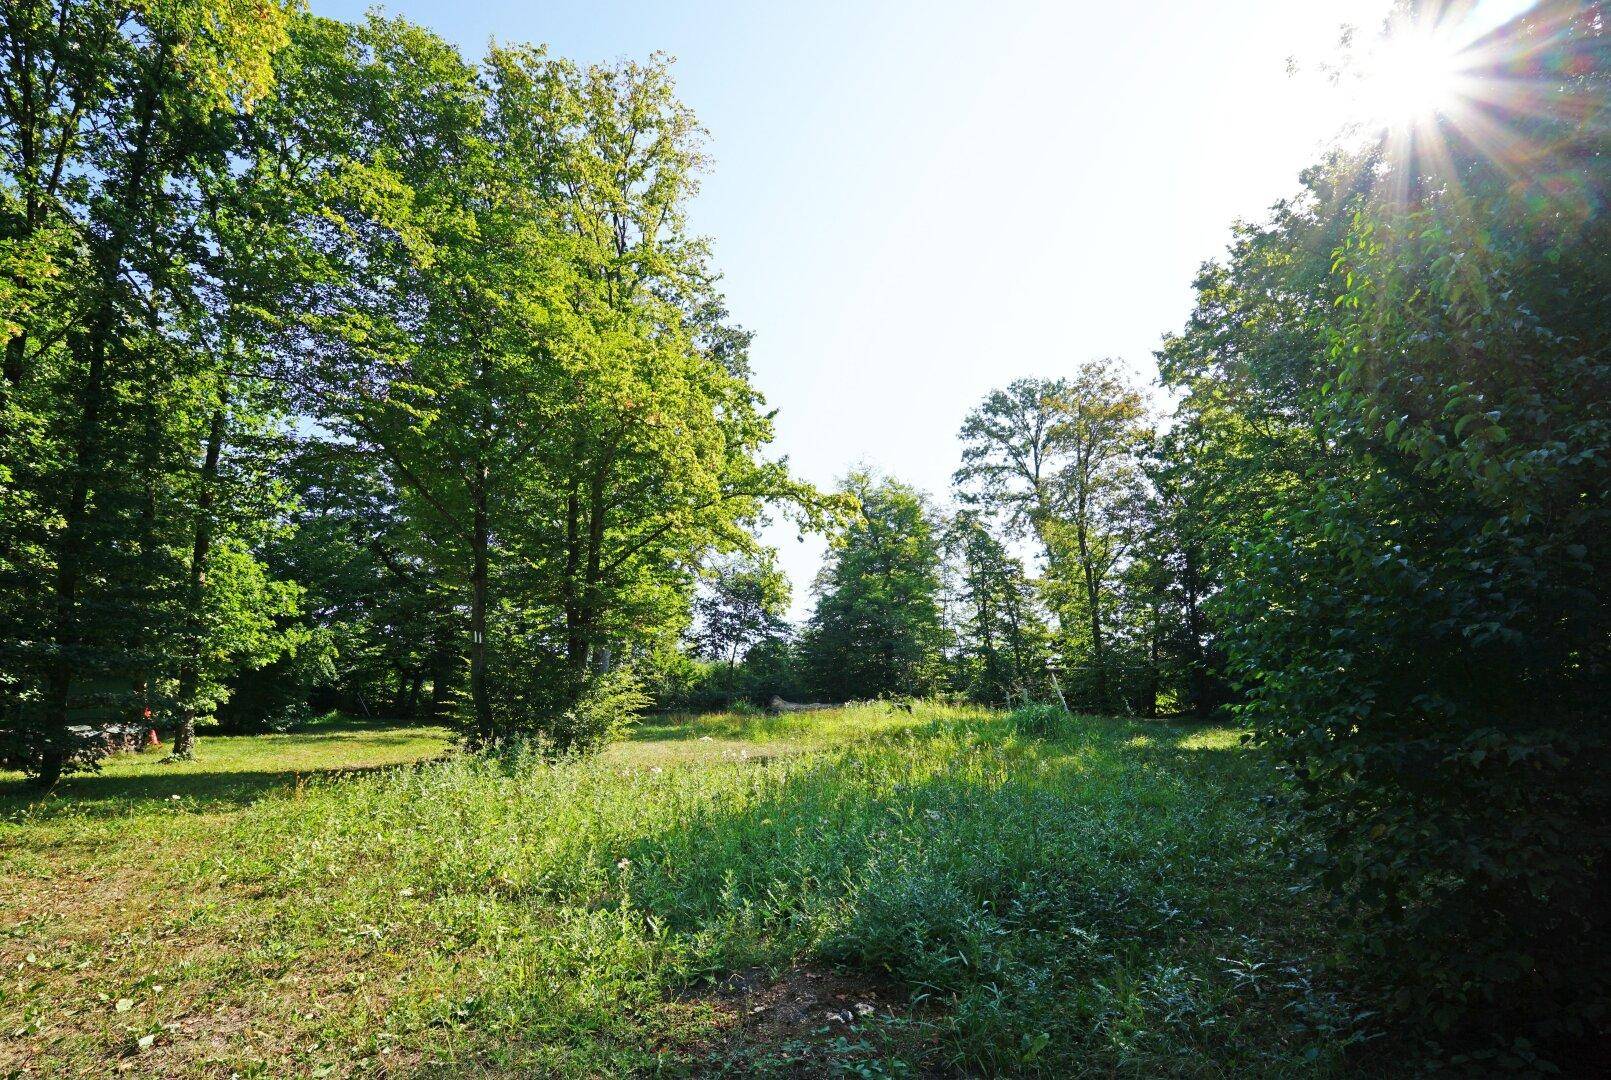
{"type": "Point", "coordinates": [864, 891]}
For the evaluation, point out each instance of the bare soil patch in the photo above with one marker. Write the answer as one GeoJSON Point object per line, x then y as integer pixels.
{"type": "Point", "coordinates": [811, 1021]}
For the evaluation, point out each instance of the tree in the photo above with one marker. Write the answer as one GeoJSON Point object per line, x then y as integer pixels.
{"type": "Point", "coordinates": [742, 604]}
{"type": "Point", "coordinates": [1099, 437]}
{"type": "Point", "coordinates": [1003, 639]}
{"type": "Point", "coordinates": [495, 297]}
{"type": "Point", "coordinates": [116, 121]}
{"type": "Point", "coordinates": [1410, 594]}
{"type": "Point", "coordinates": [1170, 579]}
{"type": "Point", "coordinates": [878, 627]}
{"type": "Point", "coordinates": [1062, 458]}
{"type": "Point", "coordinates": [377, 633]}
{"type": "Point", "coordinates": [1009, 455]}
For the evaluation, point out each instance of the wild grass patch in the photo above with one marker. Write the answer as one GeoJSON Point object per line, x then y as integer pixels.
{"type": "Point", "coordinates": [1089, 903]}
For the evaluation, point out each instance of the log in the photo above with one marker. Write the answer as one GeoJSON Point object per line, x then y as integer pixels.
{"type": "Point", "coordinates": [778, 705]}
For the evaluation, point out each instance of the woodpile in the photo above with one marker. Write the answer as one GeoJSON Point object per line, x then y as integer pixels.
{"type": "Point", "coordinates": [102, 740]}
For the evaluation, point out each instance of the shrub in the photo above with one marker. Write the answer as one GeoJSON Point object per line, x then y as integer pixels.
{"type": "Point", "coordinates": [609, 703]}
{"type": "Point", "coordinates": [1423, 626]}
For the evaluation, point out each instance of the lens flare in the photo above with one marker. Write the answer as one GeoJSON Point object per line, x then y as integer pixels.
{"type": "Point", "coordinates": [1439, 84]}
{"type": "Point", "coordinates": [1413, 76]}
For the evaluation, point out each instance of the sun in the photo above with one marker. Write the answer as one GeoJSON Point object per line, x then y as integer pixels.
{"type": "Point", "coordinates": [1411, 77]}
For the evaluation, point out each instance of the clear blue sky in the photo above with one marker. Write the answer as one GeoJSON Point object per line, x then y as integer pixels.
{"type": "Point", "coordinates": [915, 202]}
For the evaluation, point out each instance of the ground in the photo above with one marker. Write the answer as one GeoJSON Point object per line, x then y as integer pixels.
{"type": "Point", "coordinates": [864, 892]}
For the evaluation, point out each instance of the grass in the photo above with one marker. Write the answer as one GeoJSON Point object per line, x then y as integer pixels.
{"type": "Point", "coordinates": [1097, 899]}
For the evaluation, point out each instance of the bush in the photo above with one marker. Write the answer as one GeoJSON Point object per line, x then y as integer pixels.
{"type": "Point", "coordinates": [1423, 626]}
{"type": "Point", "coordinates": [609, 703]}
{"type": "Point", "coordinates": [770, 669]}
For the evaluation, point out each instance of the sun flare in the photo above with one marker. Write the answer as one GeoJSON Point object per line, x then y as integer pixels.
{"type": "Point", "coordinates": [1412, 77]}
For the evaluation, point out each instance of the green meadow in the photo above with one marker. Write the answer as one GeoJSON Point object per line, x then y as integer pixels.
{"type": "Point", "coordinates": [862, 892]}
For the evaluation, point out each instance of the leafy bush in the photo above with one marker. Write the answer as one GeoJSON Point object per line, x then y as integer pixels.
{"type": "Point", "coordinates": [770, 669]}
{"type": "Point", "coordinates": [607, 706]}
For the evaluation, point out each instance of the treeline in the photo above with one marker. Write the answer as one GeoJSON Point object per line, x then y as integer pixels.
{"type": "Point", "coordinates": [337, 363]}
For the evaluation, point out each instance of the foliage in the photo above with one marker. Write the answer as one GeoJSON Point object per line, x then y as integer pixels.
{"type": "Point", "coordinates": [742, 605]}
{"type": "Point", "coordinates": [340, 367]}
{"type": "Point", "coordinates": [772, 668]}
{"type": "Point", "coordinates": [524, 415]}
{"type": "Point", "coordinates": [601, 712]}
{"type": "Point", "coordinates": [276, 697]}
{"type": "Point", "coordinates": [1061, 460]}
{"type": "Point", "coordinates": [24, 749]}
{"type": "Point", "coordinates": [126, 407]}
{"type": "Point", "coordinates": [1004, 643]}
{"type": "Point", "coordinates": [877, 628]}
{"type": "Point", "coordinates": [1416, 616]}
{"type": "Point", "coordinates": [516, 327]}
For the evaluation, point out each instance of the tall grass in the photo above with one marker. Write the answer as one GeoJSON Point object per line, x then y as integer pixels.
{"type": "Point", "coordinates": [1103, 900]}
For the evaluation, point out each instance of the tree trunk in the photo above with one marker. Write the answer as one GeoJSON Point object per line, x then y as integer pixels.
{"type": "Point", "coordinates": [1093, 599]}
{"type": "Point", "coordinates": [1152, 668]}
{"type": "Point", "coordinates": [440, 676]}
{"type": "Point", "coordinates": [411, 704]}
{"type": "Point", "coordinates": [575, 620]}
{"type": "Point", "coordinates": [16, 349]}
{"type": "Point", "coordinates": [184, 738]}
{"type": "Point", "coordinates": [141, 647]}
{"type": "Point", "coordinates": [69, 558]}
{"type": "Point", "coordinates": [95, 342]}
{"type": "Point", "coordinates": [480, 702]}
{"type": "Point", "coordinates": [1198, 675]}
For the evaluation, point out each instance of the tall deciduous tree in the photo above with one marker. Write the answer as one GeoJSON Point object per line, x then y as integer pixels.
{"type": "Point", "coordinates": [498, 299]}
{"type": "Point", "coordinates": [878, 628]}
{"type": "Point", "coordinates": [1062, 458]}
{"type": "Point", "coordinates": [116, 118]}
{"type": "Point", "coordinates": [743, 601]}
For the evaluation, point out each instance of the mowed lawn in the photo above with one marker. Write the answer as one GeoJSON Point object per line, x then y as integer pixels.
{"type": "Point", "coordinates": [865, 891]}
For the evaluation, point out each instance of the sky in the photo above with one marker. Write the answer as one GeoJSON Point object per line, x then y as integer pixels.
{"type": "Point", "coordinates": [913, 203]}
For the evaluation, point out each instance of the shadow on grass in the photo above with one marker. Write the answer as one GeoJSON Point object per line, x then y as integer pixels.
{"type": "Point", "coordinates": [333, 723]}
{"type": "Point", "coordinates": [212, 790]}
{"type": "Point", "coordinates": [960, 881]}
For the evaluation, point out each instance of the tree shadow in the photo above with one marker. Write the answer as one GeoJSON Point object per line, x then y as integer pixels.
{"type": "Point", "coordinates": [222, 790]}
{"type": "Point", "coordinates": [333, 723]}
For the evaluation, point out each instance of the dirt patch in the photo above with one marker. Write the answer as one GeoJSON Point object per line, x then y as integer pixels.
{"type": "Point", "coordinates": [814, 1022]}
